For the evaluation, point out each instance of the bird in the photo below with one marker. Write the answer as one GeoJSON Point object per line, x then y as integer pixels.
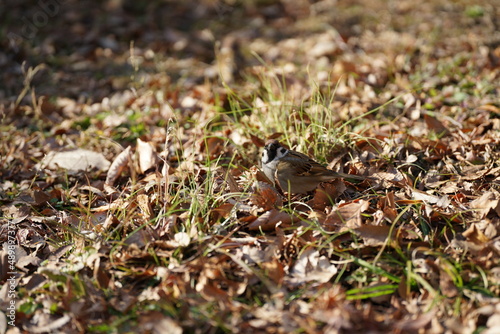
{"type": "Point", "coordinates": [295, 172]}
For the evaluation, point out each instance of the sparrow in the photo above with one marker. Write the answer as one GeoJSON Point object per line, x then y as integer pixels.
{"type": "Point", "coordinates": [295, 172]}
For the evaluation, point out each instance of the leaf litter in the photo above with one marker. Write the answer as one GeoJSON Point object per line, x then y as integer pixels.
{"type": "Point", "coordinates": [173, 228]}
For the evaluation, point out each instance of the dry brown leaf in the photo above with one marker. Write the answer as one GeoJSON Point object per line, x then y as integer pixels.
{"type": "Point", "coordinates": [25, 262]}
{"type": "Point", "coordinates": [231, 181]}
{"type": "Point", "coordinates": [118, 165]}
{"type": "Point", "coordinates": [274, 270]}
{"type": "Point", "coordinates": [266, 197]}
{"type": "Point", "coordinates": [326, 193]}
{"type": "Point", "coordinates": [490, 200]}
{"type": "Point", "coordinates": [476, 172]}
{"type": "Point", "coordinates": [435, 125]}
{"type": "Point", "coordinates": [214, 285]}
{"type": "Point", "coordinates": [222, 211]}
{"type": "Point", "coordinates": [268, 220]}
{"type": "Point", "coordinates": [257, 141]}
{"type": "Point", "coordinates": [446, 284]}
{"type": "Point", "coordinates": [259, 175]}
{"type": "Point", "coordinates": [101, 275]}
{"type": "Point", "coordinates": [387, 204]}
{"type": "Point", "coordinates": [374, 235]}
{"type": "Point", "coordinates": [110, 223]}
{"type": "Point", "coordinates": [347, 216]}
{"type": "Point", "coordinates": [139, 238]}
{"type": "Point", "coordinates": [147, 156]}
{"type": "Point", "coordinates": [473, 234]}
{"type": "Point", "coordinates": [93, 190]}
{"type": "Point", "coordinates": [5, 267]}
{"type": "Point", "coordinates": [145, 205]}
{"type": "Point", "coordinates": [124, 300]}
{"type": "Point", "coordinates": [214, 146]}
{"type": "Point", "coordinates": [40, 197]}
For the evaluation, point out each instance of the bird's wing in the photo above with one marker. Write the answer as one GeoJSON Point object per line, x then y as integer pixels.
{"type": "Point", "coordinates": [302, 165]}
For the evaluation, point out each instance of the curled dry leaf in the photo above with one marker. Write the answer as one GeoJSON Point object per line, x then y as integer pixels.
{"type": "Point", "coordinates": [118, 165]}
{"type": "Point", "coordinates": [101, 275]}
{"type": "Point", "coordinates": [230, 180]}
{"type": "Point", "coordinates": [269, 220]}
{"type": "Point", "coordinates": [257, 141]}
{"type": "Point", "coordinates": [93, 190]}
{"type": "Point", "coordinates": [388, 206]}
{"type": "Point", "coordinates": [140, 238]}
{"type": "Point", "coordinates": [424, 197]}
{"type": "Point", "coordinates": [489, 107]}
{"type": "Point", "coordinates": [214, 146]}
{"type": "Point", "coordinates": [147, 156]}
{"type": "Point", "coordinates": [144, 204]}
{"type": "Point", "coordinates": [222, 211]}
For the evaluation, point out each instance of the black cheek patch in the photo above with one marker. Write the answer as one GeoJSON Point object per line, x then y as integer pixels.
{"type": "Point", "coordinates": [271, 153]}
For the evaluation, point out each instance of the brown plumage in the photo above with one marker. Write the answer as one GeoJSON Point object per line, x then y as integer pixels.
{"type": "Point", "coordinates": [295, 172]}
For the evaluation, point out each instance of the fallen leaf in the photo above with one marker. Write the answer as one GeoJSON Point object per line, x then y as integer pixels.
{"type": "Point", "coordinates": [374, 235]}
{"type": "Point", "coordinates": [435, 125]}
{"type": "Point", "coordinates": [415, 324]}
{"type": "Point", "coordinates": [266, 196]}
{"type": "Point", "coordinates": [347, 216]}
{"type": "Point", "coordinates": [269, 219]}
{"type": "Point", "coordinates": [424, 197]}
{"type": "Point", "coordinates": [274, 270]}
{"type": "Point", "coordinates": [473, 234]}
{"type": "Point", "coordinates": [146, 155]}
{"type": "Point", "coordinates": [75, 160]}
{"type": "Point", "coordinates": [118, 165]}
{"type": "Point", "coordinates": [311, 266]}
{"type": "Point", "coordinates": [50, 325]}
{"type": "Point", "coordinates": [326, 193]}
{"type": "Point", "coordinates": [156, 322]}
{"type": "Point", "coordinates": [490, 200]}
